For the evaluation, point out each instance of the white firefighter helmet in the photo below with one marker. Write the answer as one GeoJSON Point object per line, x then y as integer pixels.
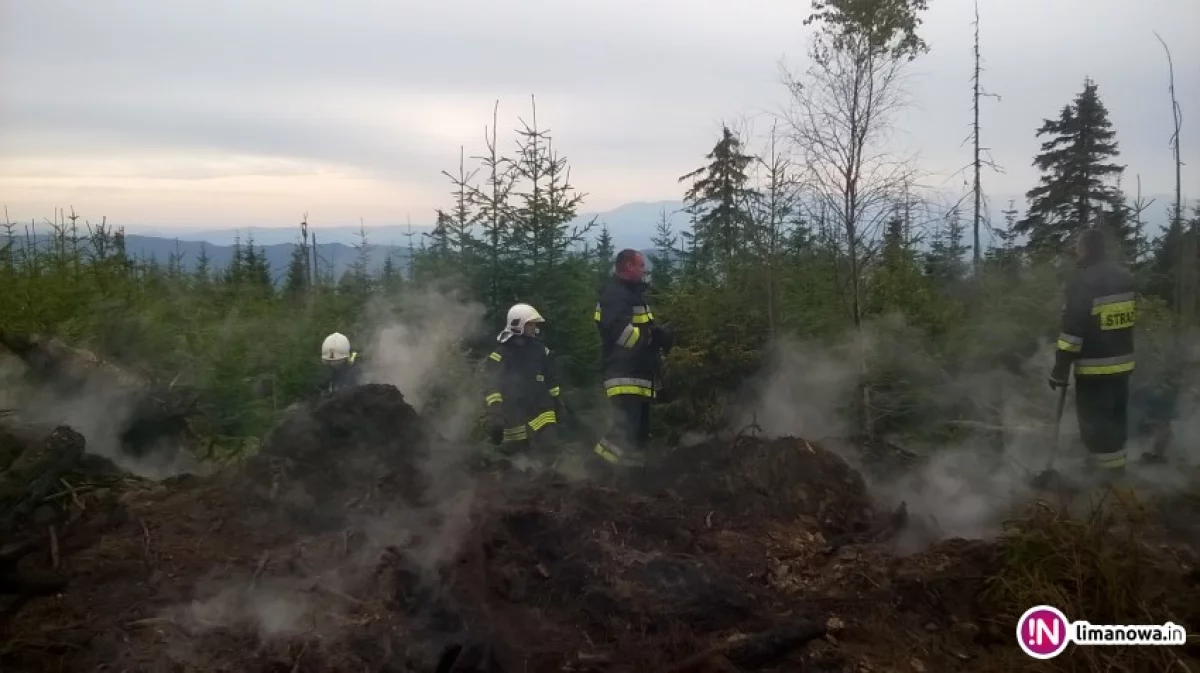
{"type": "Point", "coordinates": [519, 315]}
{"type": "Point", "coordinates": [336, 348]}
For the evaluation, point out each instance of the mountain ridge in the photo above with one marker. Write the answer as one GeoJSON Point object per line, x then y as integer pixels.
{"type": "Point", "coordinates": [634, 222]}
{"type": "Point", "coordinates": [632, 225]}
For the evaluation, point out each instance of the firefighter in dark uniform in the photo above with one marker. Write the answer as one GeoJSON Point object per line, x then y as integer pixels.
{"type": "Point", "coordinates": [342, 363]}
{"type": "Point", "coordinates": [1097, 338]}
{"type": "Point", "coordinates": [522, 395]}
{"type": "Point", "coordinates": [631, 345]}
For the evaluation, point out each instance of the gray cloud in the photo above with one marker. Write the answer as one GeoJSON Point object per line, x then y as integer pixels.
{"type": "Point", "coordinates": [632, 90]}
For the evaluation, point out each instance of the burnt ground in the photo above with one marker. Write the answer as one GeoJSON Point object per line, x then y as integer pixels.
{"type": "Point", "coordinates": [340, 547]}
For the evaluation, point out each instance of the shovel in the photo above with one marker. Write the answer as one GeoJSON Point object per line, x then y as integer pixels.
{"type": "Point", "coordinates": [1050, 475]}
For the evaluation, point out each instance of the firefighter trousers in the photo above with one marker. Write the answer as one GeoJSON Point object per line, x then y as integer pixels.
{"type": "Point", "coordinates": [1102, 407]}
{"type": "Point", "coordinates": [628, 430]}
{"type": "Point", "coordinates": [539, 445]}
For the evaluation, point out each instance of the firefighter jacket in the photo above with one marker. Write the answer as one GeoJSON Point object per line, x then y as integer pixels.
{"type": "Point", "coordinates": [626, 324]}
{"type": "Point", "coordinates": [345, 373]}
{"type": "Point", "coordinates": [1097, 323]}
{"type": "Point", "coordinates": [521, 386]}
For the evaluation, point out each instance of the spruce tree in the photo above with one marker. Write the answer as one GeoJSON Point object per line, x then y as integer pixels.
{"type": "Point", "coordinates": [235, 272]}
{"type": "Point", "coordinates": [203, 266]}
{"type": "Point", "coordinates": [545, 204]}
{"type": "Point", "coordinates": [360, 269]}
{"type": "Point", "coordinates": [1005, 256]}
{"type": "Point", "coordinates": [439, 237]}
{"type": "Point", "coordinates": [491, 202]}
{"type": "Point", "coordinates": [944, 261]}
{"type": "Point", "coordinates": [720, 194]}
{"type": "Point", "coordinates": [295, 283]}
{"type": "Point", "coordinates": [390, 280]}
{"type": "Point", "coordinates": [898, 282]}
{"type": "Point", "coordinates": [1163, 270]}
{"type": "Point", "coordinates": [666, 254]}
{"type": "Point", "coordinates": [1075, 191]}
{"type": "Point", "coordinates": [605, 253]}
{"type": "Point", "coordinates": [436, 260]}
{"type": "Point", "coordinates": [256, 267]}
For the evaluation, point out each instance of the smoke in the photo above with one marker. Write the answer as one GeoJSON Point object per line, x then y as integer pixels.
{"type": "Point", "coordinates": [986, 426]}
{"type": "Point", "coordinates": [804, 392]}
{"type": "Point", "coordinates": [1182, 447]}
{"type": "Point", "coordinates": [1183, 417]}
{"type": "Point", "coordinates": [100, 407]}
{"type": "Point", "coordinates": [1000, 433]}
{"type": "Point", "coordinates": [272, 610]}
{"type": "Point", "coordinates": [419, 349]}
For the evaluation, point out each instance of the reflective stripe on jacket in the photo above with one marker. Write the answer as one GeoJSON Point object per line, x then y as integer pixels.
{"type": "Point", "coordinates": [626, 325]}
{"type": "Point", "coordinates": [1098, 321]}
{"type": "Point", "coordinates": [520, 377]}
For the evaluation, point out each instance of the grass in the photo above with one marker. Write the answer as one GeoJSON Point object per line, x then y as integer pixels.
{"type": "Point", "coordinates": [1108, 567]}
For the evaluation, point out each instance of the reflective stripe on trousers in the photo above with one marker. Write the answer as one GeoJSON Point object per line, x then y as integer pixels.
{"type": "Point", "coordinates": [613, 454]}
{"type": "Point", "coordinates": [1101, 366]}
{"type": "Point", "coordinates": [520, 433]}
{"type": "Point", "coordinates": [629, 386]}
{"type": "Point", "coordinates": [1114, 460]}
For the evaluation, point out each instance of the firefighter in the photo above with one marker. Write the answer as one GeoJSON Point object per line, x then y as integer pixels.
{"type": "Point", "coordinates": [631, 345]}
{"type": "Point", "coordinates": [1097, 338]}
{"type": "Point", "coordinates": [342, 363]}
{"type": "Point", "coordinates": [522, 393]}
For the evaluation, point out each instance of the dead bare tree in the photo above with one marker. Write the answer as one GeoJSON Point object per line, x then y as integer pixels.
{"type": "Point", "coordinates": [308, 272]}
{"type": "Point", "coordinates": [978, 161]}
{"type": "Point", "coordinates": [840, 114]}
{"type": "Point", "coordinates": [1185, 303]}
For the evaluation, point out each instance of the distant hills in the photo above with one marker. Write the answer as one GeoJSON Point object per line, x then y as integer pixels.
{"type": "Point", "coordinates": [338, 256]}
{"type": "Point", "coordinates": [632, 225]}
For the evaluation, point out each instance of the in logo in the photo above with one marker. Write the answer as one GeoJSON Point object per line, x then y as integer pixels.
{"type": "Point", "coordinates": [1042, 632]}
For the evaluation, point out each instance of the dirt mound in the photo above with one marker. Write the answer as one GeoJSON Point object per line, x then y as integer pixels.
{"type": "Point", "coordinates": [211, 561]}
{"type": "Point", "coordinates": [569, 573]}
{"type": "Point", "coordinates": [535, 573]}
{"type": "Point", "coordinates": [752, 556]}
{"type": "Point", "coordinates": [357, 444]}
{"type": "Point", "coordinates": [779, 479]}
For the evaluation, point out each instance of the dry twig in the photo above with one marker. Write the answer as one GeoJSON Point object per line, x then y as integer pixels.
{"type": "Point", "coordinates": [53, 548]}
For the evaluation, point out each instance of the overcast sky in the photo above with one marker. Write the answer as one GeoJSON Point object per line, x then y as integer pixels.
{"type": "Point", "coordinates": [236, 112]}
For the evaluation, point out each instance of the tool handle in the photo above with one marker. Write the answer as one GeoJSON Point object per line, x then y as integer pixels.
{"type": "Point", "coordinates": [1062, 403]}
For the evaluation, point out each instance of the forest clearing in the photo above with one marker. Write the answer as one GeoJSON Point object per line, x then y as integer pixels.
{"type": "Point", "coordinates": [343, 546]}
{"type": "Point", "coordinates": [869, 449]}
